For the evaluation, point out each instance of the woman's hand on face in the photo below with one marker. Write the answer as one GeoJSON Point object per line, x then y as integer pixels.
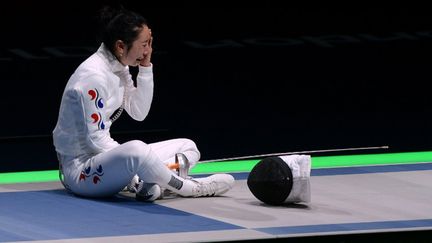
{"type": "Point", "coordinates": [146, 61]}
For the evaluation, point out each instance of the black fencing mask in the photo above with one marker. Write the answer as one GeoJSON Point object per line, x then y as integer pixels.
{"type": "Point", "coordinates": [276, 180]}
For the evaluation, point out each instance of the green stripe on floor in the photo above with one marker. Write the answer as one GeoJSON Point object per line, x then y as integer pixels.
{"type": "Point", "coordinates": [29, 177]}
{"type": "Point", "coordinates": [322, 162]}
{"type": "Point", "coordinates": [247, 165]}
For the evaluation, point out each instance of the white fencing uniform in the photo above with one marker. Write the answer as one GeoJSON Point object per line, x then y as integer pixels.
{"type": "Point", "coordinates": [93, 164]}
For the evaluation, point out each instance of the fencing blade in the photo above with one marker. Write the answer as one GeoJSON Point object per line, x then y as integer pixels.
{"type": "Point", "coordinates": [291, 153]}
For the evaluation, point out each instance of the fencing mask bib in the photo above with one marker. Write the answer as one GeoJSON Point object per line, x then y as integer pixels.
{"type": "Point", "coordinates": [282, 179]}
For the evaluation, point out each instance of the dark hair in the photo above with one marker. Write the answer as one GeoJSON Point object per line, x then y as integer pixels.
{"type": "Point", "coordinates": [119, 24]}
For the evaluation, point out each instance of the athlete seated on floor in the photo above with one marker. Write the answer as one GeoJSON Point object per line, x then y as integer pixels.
{"type": "Point", "coordinates": [92, 164]}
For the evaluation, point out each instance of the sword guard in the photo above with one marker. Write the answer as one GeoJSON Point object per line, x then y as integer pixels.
{"type": "Point", "coordinates": [183, 165]}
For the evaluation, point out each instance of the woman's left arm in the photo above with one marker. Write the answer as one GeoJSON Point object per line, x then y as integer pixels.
{"type": "Point", "coordinates": [138, 99]}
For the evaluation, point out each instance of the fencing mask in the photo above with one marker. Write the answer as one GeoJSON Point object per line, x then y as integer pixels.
{"type": "Point", "coordinates": [283, 179]}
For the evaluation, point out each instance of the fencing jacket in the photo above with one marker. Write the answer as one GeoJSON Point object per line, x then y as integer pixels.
{"type": "Point", "coordinates": [93, 93]}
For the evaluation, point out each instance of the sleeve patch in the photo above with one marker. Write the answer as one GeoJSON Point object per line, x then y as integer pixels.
{"type": "Point", "coordinates": [99, 104]}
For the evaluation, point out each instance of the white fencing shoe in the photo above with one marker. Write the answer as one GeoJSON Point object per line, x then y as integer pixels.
{"type": "Point", "coordinates": [213, 185]}
{"type": "Point", "coordinates": [134, 185]}
{"type": "Point", "coordinates": [149, 192]}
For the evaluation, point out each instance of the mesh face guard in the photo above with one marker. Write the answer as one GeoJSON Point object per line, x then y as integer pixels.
{"type": "Point", "coordinates": [271, 181]}
{"type": "Point", "coordinates": [278, 180]}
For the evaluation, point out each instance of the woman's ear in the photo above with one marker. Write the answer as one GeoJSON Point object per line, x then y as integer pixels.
{"type": "Point", "coordinates": [120, 48]}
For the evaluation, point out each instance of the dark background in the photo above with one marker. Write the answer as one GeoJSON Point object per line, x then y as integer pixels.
{"type": "Point", "coordinates": [238, 81]}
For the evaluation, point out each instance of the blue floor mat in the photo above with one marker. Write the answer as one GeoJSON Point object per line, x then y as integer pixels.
{"type": "Point", "coordinates": [55, 214]}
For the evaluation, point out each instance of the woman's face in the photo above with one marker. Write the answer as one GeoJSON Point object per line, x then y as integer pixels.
{"type": "Point", "coordinates": [140, 48]}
